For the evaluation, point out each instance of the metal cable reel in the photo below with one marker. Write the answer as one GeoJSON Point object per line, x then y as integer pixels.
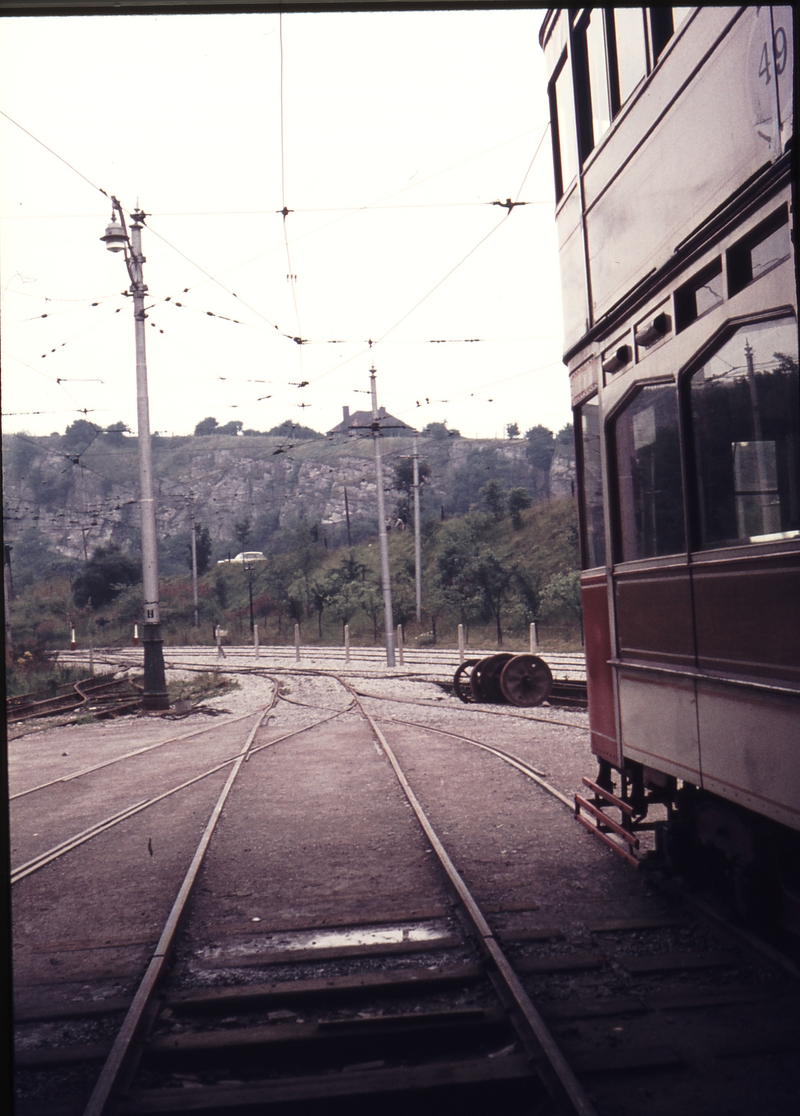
{"type": "Point", "coordinates": [522, 680]}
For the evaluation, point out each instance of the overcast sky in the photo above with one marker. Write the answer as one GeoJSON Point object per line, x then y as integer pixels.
{"type": "Point", "coordinates": [399, 131]}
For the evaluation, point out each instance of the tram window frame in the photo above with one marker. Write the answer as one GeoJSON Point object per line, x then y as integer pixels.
{"type": "Point", "coordinates": [596, 65]}
{"type": "Point", "coordinates": [591, 505]}
{"type": "Point", "coordinates": [564, 139]}
{"type": "Point", "coordinates": [742, 265]}
{"type": "Point", "coordinates": [716, 495]}
{"type": "Point", "coordinates": [629, 537]}
{"type": "Point", "coordinates": [687, 309]}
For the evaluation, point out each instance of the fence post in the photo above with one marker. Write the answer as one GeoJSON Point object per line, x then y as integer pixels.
{"type": "Point", "coordinates": [461, 643]}
{"type": "Point", "coordinates": [297, 642]}
{"type": "Point", "coordinates": [534, 639]}
{"type": "Point", "coordinates": [72, 643]}
{"type": "Point", "coordinates": [91, 661]}
{"type": "Point", "coordinates": [255, 639]}
{"type": "Point", "coordinates": [400, 644]}
{"type": "Point", "coordinates": [347, 643]}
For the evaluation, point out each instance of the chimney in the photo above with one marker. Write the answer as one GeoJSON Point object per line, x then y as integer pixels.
{"type": "Point", "coordinates": [381, 412]}
{"type": "Point", "coordinates": [345, 414]}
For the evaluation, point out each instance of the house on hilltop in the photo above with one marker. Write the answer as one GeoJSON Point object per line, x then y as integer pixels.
{"type": "Point", "coordinates": [361, 422]}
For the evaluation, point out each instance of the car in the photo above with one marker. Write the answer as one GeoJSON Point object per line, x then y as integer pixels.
{"type": "Point", "coordinates": [245, 556]}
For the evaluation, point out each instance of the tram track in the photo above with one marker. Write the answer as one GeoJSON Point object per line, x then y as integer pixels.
{"type": "Point", "coordinates": [328, 1008]}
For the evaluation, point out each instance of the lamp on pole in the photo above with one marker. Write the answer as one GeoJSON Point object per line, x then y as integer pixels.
{"type": "Point", "coordinates": [117, 240]}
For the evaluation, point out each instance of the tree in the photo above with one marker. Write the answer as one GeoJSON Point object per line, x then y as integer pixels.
{"type": "Point", "coordinates": [438, 432]}
{"type": "Point", "coordinates": [512, 430]}
{"type": "Point", "coordinates": [241, 531]}
{"type": "Point", "coordinates": [319, 592]}
{"type": "Point", "coordinates": [454, 575]}
{"type": "Point", "coordinates": [404, 483]}
{"type": "Point", "coordinates": [494, 579]}
{"type": "Point", "coordinates": [104, 576]}
{"type": "Point", "coordinates": [232, 427]}
{"type": "Point", "coordinates": [202, 543]}
{"type": "Point", "coordinates": [540, 447]}
{"type": "Point", "coordinates": [518, 500]}
{"type": "Point", "coordinates": [493, 496]}
{"type": "Point", "coordinates": [116, 433]}
{"type": "Point", "coordinates": [207, 426]}
{"type": "Point", "coordinates": [80, 434]}
{"type": "Point", "coordinates": [562, 593]}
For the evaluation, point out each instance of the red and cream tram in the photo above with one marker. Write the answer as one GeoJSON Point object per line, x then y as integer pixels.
{"type": "Point", "coordinates": [673, 152]}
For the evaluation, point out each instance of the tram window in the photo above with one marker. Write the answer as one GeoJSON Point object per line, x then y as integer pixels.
{"type": "Point", "coordinates": [702, 293]}
{"type": "Point", "coordinates": [565, 140]}
{"type": "Point", "coordinates": [764, 248]}
{"type": "Point", "coordinates": [591, 486]}
{"type": "Point", "coordinates": [745, 413]}
{"type": "Point", "coordinates": [630, 51]}
{"type": "Point", "coordinates": [591, 80]}
{"type": "Point", "coordinates": [648, 475]}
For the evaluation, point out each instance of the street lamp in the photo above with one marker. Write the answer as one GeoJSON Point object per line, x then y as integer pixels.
{"type": "Point", "coordinates": [116, 239]}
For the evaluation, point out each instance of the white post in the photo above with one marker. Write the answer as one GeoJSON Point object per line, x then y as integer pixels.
{"type": "Point", "coordinates": [347, 643]}
{"type": "Point", "coordinates": [297, 642]}
{"type": "Point", "coordinates": [91, 661]}
{"type": "Point", "coordinates": [534, 639]}
{"type": "Point", "coordinates": [72, 643]}
{"type": "Point", "coordinates": [255, 639]}
{"type": "Point", "coordinates": [386, 585]}
{"type": "Point", "coordinates": [461, 643]}
{"type": "Point", "coordinates": [417, 537]}
{"type": "Point", "coordinates": [135, 635]}
{"type": "Point", "coordinates": [218, 637]}
{"type": "Point", "coordinates": [400, 644]}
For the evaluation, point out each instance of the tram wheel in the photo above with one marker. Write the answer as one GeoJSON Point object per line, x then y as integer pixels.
{"type": "Point", "coordinates": [526, 680]}
{"type": "Point", "coordinates": [461, 680]}
{"type": "Point", "coordinates": [485, 678]}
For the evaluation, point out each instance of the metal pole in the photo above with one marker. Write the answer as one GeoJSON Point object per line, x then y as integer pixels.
{"type": "Point", "coordinates": [155, 683]}
{"type": "Point", "coordinates": [534, 639]}
{"type": "Point", "coordinates": [461, 643]}
{"type": "Point", "coordinates": [347, 643]}
{"type": "Point", "coordinates": [417, 538]}
{"type": "Point", "coordinates": [255, 639]}
{"type": "Point", "coordinates": [297, 642]}
{"type": "Point", "coordinates": [194, 563]}
{"type": "Point", "coordinates": [400, 644]}
{"type": "Point", "coordinates": [347, 517]}
{"type": "Point", "coordinates": [386, 584]}
{"type": "Point", "coordinates": [250, 586]}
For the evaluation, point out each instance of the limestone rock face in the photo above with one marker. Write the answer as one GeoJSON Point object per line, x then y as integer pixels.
{"type": "Point", "coordinates": [84, 499]}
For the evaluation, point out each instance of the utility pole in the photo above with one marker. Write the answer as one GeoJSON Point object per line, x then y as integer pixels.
{"type": "Point", "coordinates": [194, 562]}
{"type": "Point", "coordinates": [155, 694]}
{"type": "Point", "coordinates": [386, 584]}
{"type": "Point", "coordinates": [417, 539]}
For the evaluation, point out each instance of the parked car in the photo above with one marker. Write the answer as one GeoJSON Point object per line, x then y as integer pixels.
{"type": "Point", "coordinates": [245, 556]}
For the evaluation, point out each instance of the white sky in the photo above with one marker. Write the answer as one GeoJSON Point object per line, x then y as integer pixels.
{"type": "Point", "coordinates": [400, 129]}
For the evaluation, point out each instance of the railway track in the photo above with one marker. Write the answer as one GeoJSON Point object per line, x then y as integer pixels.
{"type": "Point", "coordinates": [424, 992]}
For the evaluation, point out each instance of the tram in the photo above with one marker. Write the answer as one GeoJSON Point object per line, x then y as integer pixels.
{"type": "Point", "coordinates": [673, 151]}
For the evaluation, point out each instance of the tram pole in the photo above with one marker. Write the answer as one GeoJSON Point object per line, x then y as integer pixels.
{"type": "Point", "coordinates": [386, 584]}
{"type": "Point", "coordinates": [417, 538]}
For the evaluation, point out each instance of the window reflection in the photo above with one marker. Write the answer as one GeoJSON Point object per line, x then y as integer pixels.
{"type": "Point", "coordinates": [565, 128]}
{"type": "Point", "coordinates": [745, 406]}
{"type": "Point", "coordinates": [591, 486]}
{"type": "Point", "coordinates": [648, 473]}
{"type": "Point", "coordinates": [598, 74]}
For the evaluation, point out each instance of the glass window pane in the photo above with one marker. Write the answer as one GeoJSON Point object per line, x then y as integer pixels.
{"type": "Point", "coordinates": [565, 116]}
{"type": "Point", "coordinates": [591, 486]}
{"type": "Point", "coordinates": [598, 74]}
{"type": "Point", "coordinates": [649, 493]}
{"type": "Point", "coordinates": [631, 50]}
{"type": "Point", "coordinates": [745, 405]}
{"type": "Point", "coordinates": [769, 252]}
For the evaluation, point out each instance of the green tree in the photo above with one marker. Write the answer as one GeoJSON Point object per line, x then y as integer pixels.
{"type": "Point", "coordinates": [104, 576]}
{"type": "Point", "coordinates": [241, 531]}
{"type": "Point", "coordinates": [202, 544]}
{"type": "Point", "coordinates": [454, 570]}
{"type": "Point", "coordinates": [493, 496]}
{"type": "Point", "coordinates": [404, 483]}
{"type": "Point", "coordinates": [232, 427]}
{"type": "Point", "coordinates": [207, 426]}
{"type": "Point", "coordinates": [80, 434]}
{"type": "Point", "coordinates": [518, 500]}
{"type": "Point", "coordinates": [494, 578]}
{"type": "Point", "coordinates": [540, 447]}
{"type": "Point", "coordinates": [512, 430]}
{"type": "Point", "coordinates": [562, 594]}
{"type": "Point", "coordinates": [438, 432]}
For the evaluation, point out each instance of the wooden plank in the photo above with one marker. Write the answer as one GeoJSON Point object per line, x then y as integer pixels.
{"type": "Point", "coordinates": [61, 1055]}
{"type": "Point", "coordinates": [670, 962]}
{"type": "Point", "coordinates": [290, 991]}
{"type": "Point", "coordinates": [590, 1009]}
{"type": "Point", "coordinates": [381, 920]}
{"type": "Point", "coordinates": [44, 1010]}
{"type": "Point", "coordinates": [564, 963]}
{"type": "Point", "coordinates": [412, 1019]}
{"type": "Point", "coordinates": [531, 934]}
{"type": "Point", "coordinates": [708, 997]}
{"type": "Point", "coordinates": [375, 1082]}
{"type": "Point", "coordinates": [333, 953]}
{"type": "Point", "coordinates": [626, 1058]}
{"type": "Point", "coordinates": [637, 924]}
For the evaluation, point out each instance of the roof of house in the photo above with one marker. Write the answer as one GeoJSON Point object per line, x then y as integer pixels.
{"type": "Point", "coordinates": [362, 420]}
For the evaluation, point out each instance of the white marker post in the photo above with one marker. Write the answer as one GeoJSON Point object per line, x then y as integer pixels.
{"type": "Point", "coordinates": [255, 639]}
{"type": "Point", "coordinates": [534, 639]}
{"type": "Point", "coordinates": [400, 644]}
{"type": "Point", "coordinates": [461, 643]}
{"type": "Point", "coordinates": [347, 643]}
{"type": "Point", "coordinates": [297, 642]}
